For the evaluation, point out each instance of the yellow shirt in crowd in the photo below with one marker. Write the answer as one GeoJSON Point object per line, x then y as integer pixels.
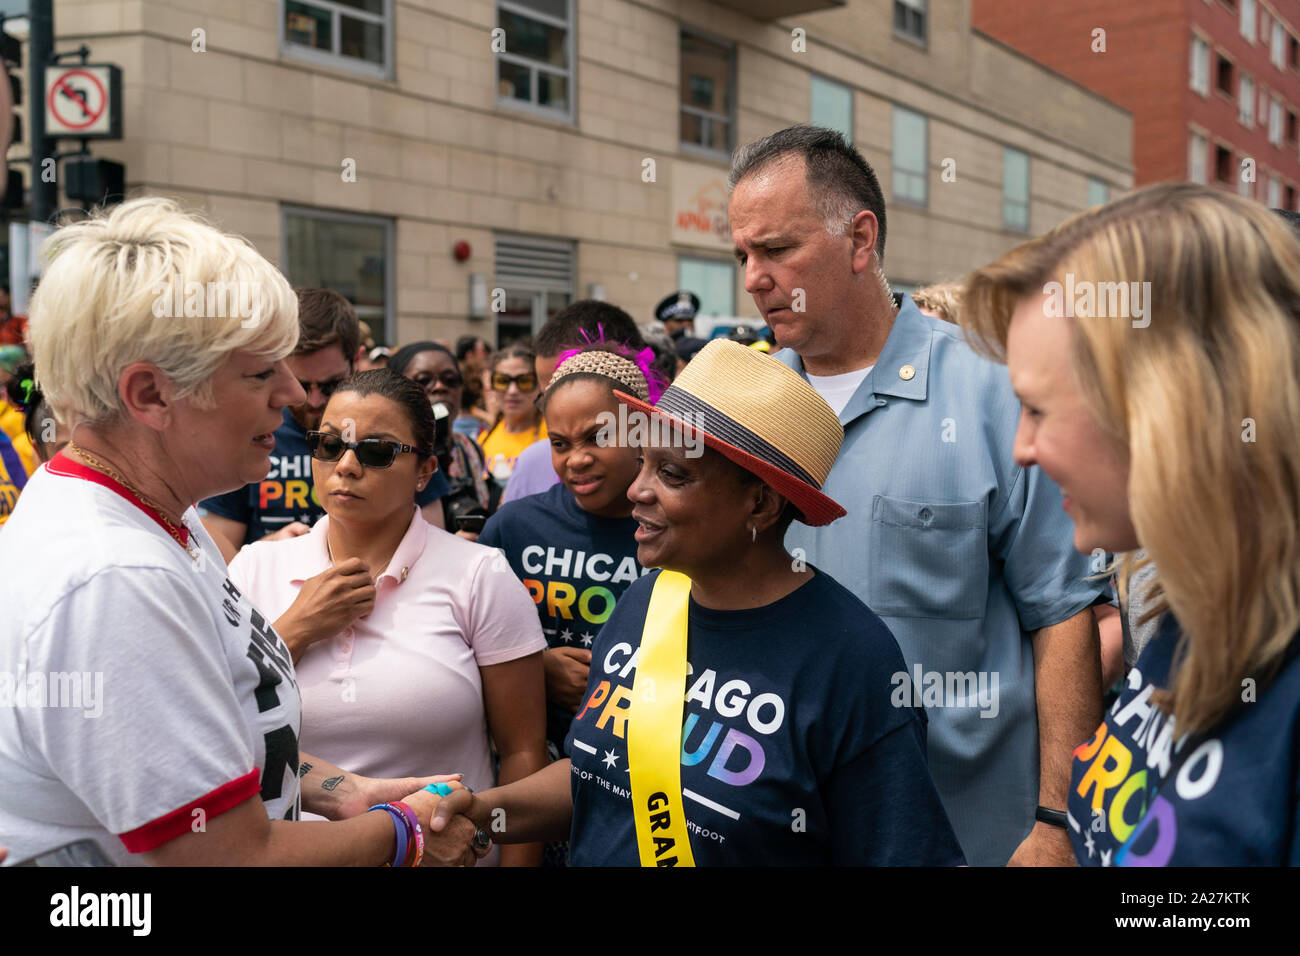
{"type": "Point", "coordinates": [501, 448]}
{"type": "Point", "coordinates": [11, 423]}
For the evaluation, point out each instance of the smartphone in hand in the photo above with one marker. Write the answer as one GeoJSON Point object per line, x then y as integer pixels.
{"type": "Point", "coordinates": [471, 523]}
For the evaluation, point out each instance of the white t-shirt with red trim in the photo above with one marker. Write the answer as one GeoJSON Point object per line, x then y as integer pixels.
{"type": "Point", "coordinates": [141, 695]}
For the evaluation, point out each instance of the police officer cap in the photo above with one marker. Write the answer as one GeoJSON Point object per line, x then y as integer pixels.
{"type": "Point", "coordinates": [679, 305]}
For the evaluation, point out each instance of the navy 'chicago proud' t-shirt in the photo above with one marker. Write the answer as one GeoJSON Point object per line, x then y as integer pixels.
{"type": "Point", "coordinates": [792, 752]}
{"type": "Point", "coordinates": [575, 565]}
{"type": "Point", "coordinates": [1143, 795]}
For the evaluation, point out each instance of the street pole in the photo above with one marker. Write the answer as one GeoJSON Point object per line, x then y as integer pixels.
{"type": "Point", "coordinates": [40, 47]}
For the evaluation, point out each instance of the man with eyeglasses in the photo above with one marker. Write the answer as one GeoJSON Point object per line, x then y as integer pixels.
{"type": "Point", "coordinates": [284, 503]}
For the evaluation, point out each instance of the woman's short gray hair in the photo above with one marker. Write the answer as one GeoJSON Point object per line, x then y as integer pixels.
{"type": "Point", "coordinates": [146, 281]}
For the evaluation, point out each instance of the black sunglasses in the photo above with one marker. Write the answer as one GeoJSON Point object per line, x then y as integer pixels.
{"type": "Point", "coordinates": [370, 452]}
{"type": "Point", "coordinates": [448, 377]}
{"type": "Point", "coordinates": [326, 388]}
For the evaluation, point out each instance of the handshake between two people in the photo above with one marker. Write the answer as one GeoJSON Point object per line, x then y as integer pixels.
{"type": "Point", "coordinates": [440, 803]}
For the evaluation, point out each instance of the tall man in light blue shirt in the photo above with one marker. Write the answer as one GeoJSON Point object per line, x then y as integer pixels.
{"type": "Point", "coordinates": [967, 556]}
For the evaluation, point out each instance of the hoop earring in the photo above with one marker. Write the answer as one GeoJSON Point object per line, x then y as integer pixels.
{"type": "Point", "coordinates": [753, 534]}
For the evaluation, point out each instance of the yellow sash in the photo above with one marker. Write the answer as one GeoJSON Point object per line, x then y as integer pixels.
{"type": "Point", "coordinates": [654, 726]}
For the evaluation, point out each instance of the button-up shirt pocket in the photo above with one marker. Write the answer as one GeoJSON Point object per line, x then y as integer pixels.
{"type": "Point", "coordinates": [928, 559]}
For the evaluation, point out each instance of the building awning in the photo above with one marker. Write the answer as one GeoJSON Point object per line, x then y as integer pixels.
{"type": "Point", "coordinates": [771, 9]}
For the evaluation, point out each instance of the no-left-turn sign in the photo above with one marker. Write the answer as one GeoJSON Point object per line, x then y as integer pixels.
{"type": "Point", "coordinates": [83, 101]}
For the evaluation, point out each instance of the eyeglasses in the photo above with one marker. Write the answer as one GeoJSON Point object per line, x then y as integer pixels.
{"type": "Point", "coordinates": [501, 382]}
{"type": "Point", "coordinates": [448, 377]}
{"type": "Point", "coordinates": [370, 452]}
{"type": "Point", "coordinates": [326, 388]}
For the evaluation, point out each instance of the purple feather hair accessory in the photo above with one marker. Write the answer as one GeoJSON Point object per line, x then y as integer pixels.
{"type": "Point", "coordinates": [655, 384]}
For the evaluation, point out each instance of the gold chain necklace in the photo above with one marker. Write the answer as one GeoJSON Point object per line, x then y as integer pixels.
{"type": "Point", "coordinates": [329, 553]}
{"type": "Point", "coordinates": [173, 529]}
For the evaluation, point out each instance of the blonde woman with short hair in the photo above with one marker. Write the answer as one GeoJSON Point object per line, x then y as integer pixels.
{"type": "Point", "coordinates": [1155, 346]}
{"type": "Point", "coordinates": [160, 343]}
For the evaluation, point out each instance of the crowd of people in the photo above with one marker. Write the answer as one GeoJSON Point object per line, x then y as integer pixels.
{"type": "Point", "coordinates": [995, 573]}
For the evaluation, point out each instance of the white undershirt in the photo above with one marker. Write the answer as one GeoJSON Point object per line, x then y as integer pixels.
{"type": "Point", "coordinates": [838, 389]}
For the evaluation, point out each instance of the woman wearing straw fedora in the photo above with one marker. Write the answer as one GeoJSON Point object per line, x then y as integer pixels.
{"type": "Point", "coordinates": [792, 747]}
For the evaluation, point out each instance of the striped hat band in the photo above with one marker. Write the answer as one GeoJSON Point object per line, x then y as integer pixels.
{"type": "Point", "coordinates": [763, 416]}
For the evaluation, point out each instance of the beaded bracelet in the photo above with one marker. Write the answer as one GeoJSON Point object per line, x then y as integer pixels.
{"type": "Point", "coordinates": [415, 851]}
{"type": "Point", "coordinates": [403, 829]}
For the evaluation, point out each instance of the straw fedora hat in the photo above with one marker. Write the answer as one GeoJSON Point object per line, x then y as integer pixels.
{"type": "Point", "coordinates": [761, 415]}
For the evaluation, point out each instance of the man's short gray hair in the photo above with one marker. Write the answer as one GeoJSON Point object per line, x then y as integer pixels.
{"type": "Point", "coordinates": [840, 182]}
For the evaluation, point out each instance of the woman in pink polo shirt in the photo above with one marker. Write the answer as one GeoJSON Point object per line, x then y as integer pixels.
{"type": "Point", "coordinates": [432, 643]}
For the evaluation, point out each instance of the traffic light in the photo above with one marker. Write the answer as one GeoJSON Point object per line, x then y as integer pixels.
{"type": "Point", "coordinates": [94, 181]}
{"type": "Point", "coordinates": [11, 127]}
{"type": "Point", "coordinates": [11, 52]}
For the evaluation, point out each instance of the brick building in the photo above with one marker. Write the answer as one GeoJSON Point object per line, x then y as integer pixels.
{"type": "Point", "coordinates": [580, 147]}
{"type": "Point", "coordinates": [1213, 85]}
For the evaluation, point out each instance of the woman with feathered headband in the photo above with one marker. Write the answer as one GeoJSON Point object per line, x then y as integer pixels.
{"type": "Point", "coordinates": [574, 546]}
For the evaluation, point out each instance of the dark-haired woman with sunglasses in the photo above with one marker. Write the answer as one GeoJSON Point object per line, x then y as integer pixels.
{"type": "Point", "coordinates": [434, 369]}
{"type": "Point", "coordinates": [430, 646]}
{"type": "Point", "coordinates": [514, 379]}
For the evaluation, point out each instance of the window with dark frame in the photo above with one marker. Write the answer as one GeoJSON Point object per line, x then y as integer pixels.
{"type": "Point", "coordinates": [346, 33]}
{"type": "Point", "coordinates": [831, 106]}
{"type": "Point", "coordinates": [1098, 192]}
{"type": "Point", "coordinates": [713, 280]}
{"type": "Point", "coordinates": [536, 275]}
{"type": "Point", "coordinates": [707, 95]}
{"type": "Point", "coordinates": [1223, 164]}
{"type": "Point", "coordinates": [1223, 75]}
{"type": "Point", "coordinates": [1015, 189]}
{"type": "Point", "coordinates": [351, 254]}
{"type": "Point", "coordinates": [1290, 127]}
{"type": "Point", "coordinates": [535, 70]}
{"type": "Point", "coordinates": [1290, 198]}
{"type": "Point", "coordinates": [909, 19]}
{"type": "Point", "coordinates": [1200, 66]}
{"type": "Point", "coordinates": [1197, 146]}
{"type": "Point", "coordinates": [911, 156]}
